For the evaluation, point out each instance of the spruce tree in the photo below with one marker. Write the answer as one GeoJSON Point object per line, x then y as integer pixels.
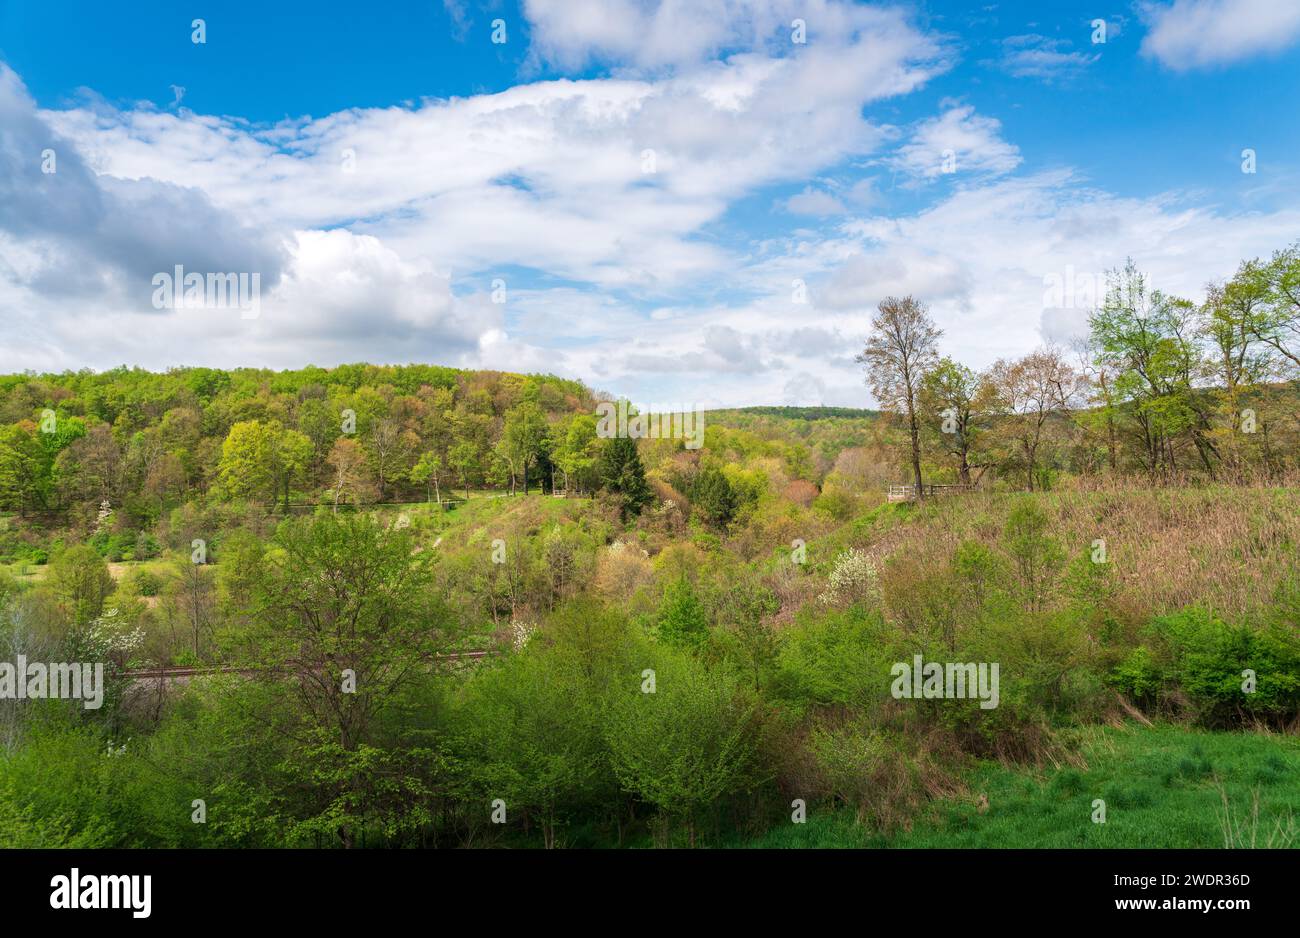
{"type": "Point", "coordinates": [622, 473]}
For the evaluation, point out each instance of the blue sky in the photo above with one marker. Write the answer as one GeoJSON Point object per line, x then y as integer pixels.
{"type": "Point", "coordinates": [524, 164]}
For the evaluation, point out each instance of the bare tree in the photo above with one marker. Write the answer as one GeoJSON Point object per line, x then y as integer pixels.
{"type": "Point", "coordinates": [901, 348]}
{"type": "Point", "coordinates": [349, 474]}
{"type": "Point", "coordinates": [1030, 391]}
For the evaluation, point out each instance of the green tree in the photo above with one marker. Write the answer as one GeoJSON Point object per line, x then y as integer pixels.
{"type": "Point", "coordinates": [955, 402]}
{"type": "Point", "coordinates": [714, 498]}
{"type": "Point", "coordinates": [524, 437]}
{"type": "Point", "coordinates": [346, 620]}
{"type": "Point", "coordinates": [293, 457]}
{"type": "Point", "coordinates": [427, 469]}
{"type": "Point", "coordinates": [465, 457]}
{"type": "Point", "coordinates": [622, 473]}
{"type": "Point", "coordinates": [682, 621]}
{"type": "Point", "coordinates": [532, 738]}
{"type": "Point", "coordinates": [82, 582]}
{"type": "Point", "coordinates": [576, 451]}
{"type": "Point", "coordinates": [1277, 321]}
{"type": "Point", "coordinates": [248, 467]}
{"type": "Point", "coordinates": [24, 473]}
{"type": "Point", "coordinates": [1150, 340]}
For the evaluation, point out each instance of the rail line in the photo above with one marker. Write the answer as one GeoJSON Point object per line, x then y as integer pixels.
{"type": "Point", "coordinates": [179, 673]}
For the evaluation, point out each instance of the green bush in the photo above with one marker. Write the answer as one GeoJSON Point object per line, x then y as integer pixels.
{"type": "Point", "coordinates": [688, 746]}
{"type": "Point", "coordinates": [147, 583]}
{"type": "Point", "coordinates": [1206, 658]}
{"type": "Point", "coordinates": [835, 504]}
{"type": "Point", "coordinates": [682, 621]}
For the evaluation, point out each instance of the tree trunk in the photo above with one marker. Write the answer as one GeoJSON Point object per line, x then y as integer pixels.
{"type": "Point", "coordinates": [916, 447]}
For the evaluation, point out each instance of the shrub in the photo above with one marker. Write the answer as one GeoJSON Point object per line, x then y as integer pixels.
{"type": "Point", "coordinates": [853, 579]}
{"type": "Point", "coordinates": [687, 746]}
{"type": "Point", "coordinates": [881, 777]}
{"type": "Point", "coordinates": [1206, 659]}
{"type": "Point", "coordinates": [835, 504]}
{"type": "Point", "coordinates": [147, 583]}
{"type": "Point", "coordinates": [682, 621]}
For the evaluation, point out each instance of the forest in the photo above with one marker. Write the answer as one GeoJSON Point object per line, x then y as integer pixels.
{"type": "Point", "coordinates": [418, 606]}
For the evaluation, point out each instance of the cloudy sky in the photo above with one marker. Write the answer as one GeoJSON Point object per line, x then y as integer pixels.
{"type": "Point", "coordinates": [676, 201]}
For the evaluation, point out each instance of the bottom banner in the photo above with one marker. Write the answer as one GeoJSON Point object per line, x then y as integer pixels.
{"type": "Point", "coordinates": [144, 889]}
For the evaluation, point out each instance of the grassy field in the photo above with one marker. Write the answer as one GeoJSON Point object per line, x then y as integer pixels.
{"type": "Point", "coordinates": [1163, 786]}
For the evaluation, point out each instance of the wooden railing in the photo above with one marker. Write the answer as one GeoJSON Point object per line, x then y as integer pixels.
{"type": "Point", "coordinates": [907, 493]}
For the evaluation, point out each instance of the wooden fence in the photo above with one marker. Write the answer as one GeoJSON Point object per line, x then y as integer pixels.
{"type": "Point", "coordinates": [908, 493]}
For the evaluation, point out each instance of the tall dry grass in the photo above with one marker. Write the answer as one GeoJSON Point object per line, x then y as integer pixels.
{"type": "Point", "coordinates": [1231, 548]}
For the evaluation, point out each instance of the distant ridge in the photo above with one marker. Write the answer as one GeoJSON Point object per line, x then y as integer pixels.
{"type": "Point", "coordinates": [800, 413]}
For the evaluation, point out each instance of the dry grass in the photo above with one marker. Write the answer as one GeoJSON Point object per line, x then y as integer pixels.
{"type": "Point", "coordinates": [1244, 832]}
{"type": "Point", "coordinates": [1229, 548]}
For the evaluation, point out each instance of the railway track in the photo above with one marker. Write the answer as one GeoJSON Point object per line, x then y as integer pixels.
{"type": "Point", "coordinates": [141, 675]}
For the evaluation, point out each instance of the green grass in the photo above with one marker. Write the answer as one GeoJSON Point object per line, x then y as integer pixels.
{"type": "Point", "coordinates": [1160, 785]}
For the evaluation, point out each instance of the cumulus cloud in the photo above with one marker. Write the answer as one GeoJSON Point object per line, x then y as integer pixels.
{"type": "Point", "coordinates": [605, 204]}
{"type": "Point", "coordinates": [604, 180]}
{"type": "Point", "coordinates": [378, 232]}
{"type": "Point", "coordinates": [79, 251]}
{"type": "Point", "coordinates": [865, 279]}
{"type": "Point", "coordinates": [958, 141]}
{"type": "Point", "coordinates": [660, 34]}
{"type": "Point", "coordinates": [1189, 34]}
{"type": "Point", "coordinates": [73, 231]}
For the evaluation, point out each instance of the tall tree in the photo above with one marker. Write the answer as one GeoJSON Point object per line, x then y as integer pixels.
{"type": "Point", "coordinates": [349, 477]}
{"type": "Point", "coordinates": [576, 450]}
{"type": "Point", "coordinates": [524, 437]}
{"type": "Point", "coordinates": [955, 402]}
{"type": "Point", "coordinates": [1239, 361]}
{"type": "Point", "coordinates": [1031, 391]}
{"type": "Point", "coordinates": [465, 457]}
{"type": "Point", "coordinates": [347, 617]}
{"type": "Point", "coordinates": [293, 453]}
{"type": "Point", "coordinates": [622, 473]}
{"type": "Point", "coordinates": [426, 470]}
{"type": "Point", "coordinates": [1150, 339]}
{"type": "Point", "coordinates": [1277, 322]}
{"type": "Point", "coordinates": [902, 346]}
{"type": "Point", "coordinates": [248, 461]}
{"type": "Point", "coordinates": [390, 448]}
{"type": "Point", "coordinates": [81, 580]}
{"type": "Point", "coordinates": [24, 469]}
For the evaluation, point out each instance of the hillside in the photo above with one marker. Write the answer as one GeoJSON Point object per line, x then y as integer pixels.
{"type": "Point", "coordinates": [679, 643]}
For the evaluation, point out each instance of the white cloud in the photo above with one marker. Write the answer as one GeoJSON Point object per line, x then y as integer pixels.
{"type": "Point", "coordinates": [814, 202]}
{"type": "Point", "coordinates": [666, 34]}
{"type": "Point", "coordinates": [1034, 56]}
{"type": "Point", "coordinates": [637, 282]}
{"type": "Point", "coordinates": [958, 141]}
{"type": "Point", "coordinates": [606, 181]}
{"type": "Point", "coordinates": [1196, 33]}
